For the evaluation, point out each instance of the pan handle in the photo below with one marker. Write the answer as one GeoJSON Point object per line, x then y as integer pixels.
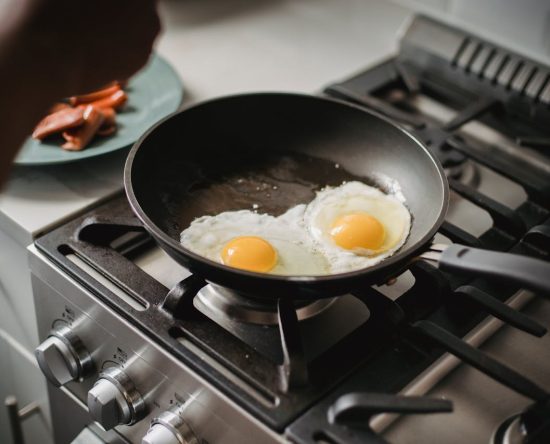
{"type": "Point", "coordinates": [527, 272]}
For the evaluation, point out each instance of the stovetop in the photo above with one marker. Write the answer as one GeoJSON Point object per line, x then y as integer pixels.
{"type": "Point", "coordinates": [483, 111]}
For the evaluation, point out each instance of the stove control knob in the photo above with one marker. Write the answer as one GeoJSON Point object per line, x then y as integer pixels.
{"type": "Point", "coordinates": [114, 400]}
{"type": "Point", "coordinates": [170, 428]}
{"type": "Point", "coordinates": [63, 358]}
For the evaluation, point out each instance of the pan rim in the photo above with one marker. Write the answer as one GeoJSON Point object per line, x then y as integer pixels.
{"type": "Point", "coordinates": [395, 259]}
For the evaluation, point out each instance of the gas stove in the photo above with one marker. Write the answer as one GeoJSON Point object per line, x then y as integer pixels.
{"type": "Point", "coordinates": [157, 355]}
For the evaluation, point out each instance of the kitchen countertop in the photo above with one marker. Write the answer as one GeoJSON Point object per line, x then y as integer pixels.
{"type": "Point", "coordinates": [218, 47]}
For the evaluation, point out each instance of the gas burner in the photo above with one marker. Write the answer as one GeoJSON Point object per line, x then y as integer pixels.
{"type": "Point", "coordinates": [467, 173]}
{"type": "Point", "coordinates": [532, 426]}
{"type": "Point", "coordinates": [511, 431]}
{"type": "Point", "coordinates": [218, 302]}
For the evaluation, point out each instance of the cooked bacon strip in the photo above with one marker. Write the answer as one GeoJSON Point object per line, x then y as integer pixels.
{"type": "Point", "coordinates": [109, 122]}
{"type": "Point", "coordinates": [58, 121]}
{"type": "Point", "coordinates": [94, 96]}
{"type": "Point", "coordinates": [109, 116]}
{"type": "Point", "coordinates": [59, 106]}
{"type": "Point", "coordinates": [115, 100]}
{"type": "Point", "coordinates": [78, 138]}
{"type": "Point", "coordinates": [107, 130]}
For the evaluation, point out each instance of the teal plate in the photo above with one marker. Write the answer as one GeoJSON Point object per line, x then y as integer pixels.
{"type": "Point", "coordinates": [153, 93]}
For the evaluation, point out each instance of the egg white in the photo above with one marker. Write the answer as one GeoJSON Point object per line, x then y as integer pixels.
{"type": "Point", "coordinates": [296, 253]}
{"type": "Point", "coordinates": [356, 197]}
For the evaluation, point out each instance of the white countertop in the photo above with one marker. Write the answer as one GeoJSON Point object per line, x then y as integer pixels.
{"type": "Point", "coordinates": [218, 47]}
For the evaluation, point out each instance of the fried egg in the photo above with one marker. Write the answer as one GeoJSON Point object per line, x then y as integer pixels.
{"type": "Point", "coordinates": [356, 226]}
{"type": "Point", "coordinates": [256, 242]}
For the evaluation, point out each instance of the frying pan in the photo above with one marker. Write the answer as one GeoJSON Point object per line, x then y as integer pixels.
{"type": "Point", "coordinates": [272, 151]}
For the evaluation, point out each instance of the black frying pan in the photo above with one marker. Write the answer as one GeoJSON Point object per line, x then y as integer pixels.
{"type": "Point", "coordinates": [276, 150]}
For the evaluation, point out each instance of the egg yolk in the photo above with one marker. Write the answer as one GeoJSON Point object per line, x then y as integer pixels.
{"type": "Point", "coordinates": [360, 230]}
{"type": "Point", "coordinates": [249, 253]}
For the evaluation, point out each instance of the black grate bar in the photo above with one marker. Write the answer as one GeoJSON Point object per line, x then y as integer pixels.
{"type": "Point", "coordinates": [479, 360]}
{"type": "Point", "coordinates": [294, 368]}
{"type": "Point", "coordinates": [534, 142]}
{"type": "Point", "coordinates": [503, 217]}
{"type": "Point", "coordinates": [502, 311]}
{"type": "Point", "coordinates": [523, 78]}
{"type": "Point", "coordinates": [460, 50]}
{"type": "Point", "coordinates": [120, 271]}
{"type": "Point", "coordinates": [539, 237]}
{"type": "Point", "coordinates": [387, 310]}
{"type": "Point", "coordinates": [102, 231]}
{"type": "Point", "coordinates": [495, 66]}
{"type": "Point", "coordinates": [544, 96]}
{"type": "Point", "coordinates": [458, 235]}
{"type": "Point", "coordinates": [506, 76]}
{"type": "Point", "coordinates": [468, 54]}
{"type": "Point", "coordinates": [245, 362]}
{"type": "Point", "coordinates": [474, 56]}
{"type": "Point", "coordinates": [482, 60]}
{"type": "Point", "coordinates": [180, 298]}
{"type": "Point", "coordinates": [536, 84]}
{"type": "Point", "coordinates": [471, 112]}
{"type": "Point", "coordinates": [409, 79]}
{"type": "Point", "coordinates": [341, 92]}
{"type": "Point", "coordinates": [538, 190]}
{"type": "Point", "coordinates": [357, 409]}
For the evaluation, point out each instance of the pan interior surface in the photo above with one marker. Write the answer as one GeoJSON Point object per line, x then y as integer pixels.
{"type": "Point", "coordinates": [273, 151]}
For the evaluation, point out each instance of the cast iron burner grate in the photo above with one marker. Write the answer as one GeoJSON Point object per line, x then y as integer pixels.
{"type": "Point", "coordinates": [511, 95]}
{"type": "Point", "coordinates": [481, 82]}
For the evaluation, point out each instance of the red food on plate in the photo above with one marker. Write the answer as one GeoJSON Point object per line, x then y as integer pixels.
{"type": "Point", "coordinates": [116, 100]}
{"type": "Point", "coordinates": [96, 95]}
{"type": "Point", "coordinates": [59, 106]}
{"type": "Point", "coordinates": [109, 116]}
{"type": "Point", "coordinates": [107, 130]}
{"type": "Point", "coordinates": [83, 117]}
{"type": "Point", "coordinates": [58, 121]}
{"type": "Point", "coordinates": [109, 122]}
{"type": "Point", "coordinates": [78, 138]}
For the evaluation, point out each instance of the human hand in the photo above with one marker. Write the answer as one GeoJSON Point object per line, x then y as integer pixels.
{"type": "Point", "coordinates": [50, 49]}
{"type": "Point", "coordinates": [81, 45]}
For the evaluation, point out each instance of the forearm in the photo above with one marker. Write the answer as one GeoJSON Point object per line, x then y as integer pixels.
{"type": "Point", "coordinates": [52, 49]}
{"type": "Point", "coordinates": [27, 90]}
